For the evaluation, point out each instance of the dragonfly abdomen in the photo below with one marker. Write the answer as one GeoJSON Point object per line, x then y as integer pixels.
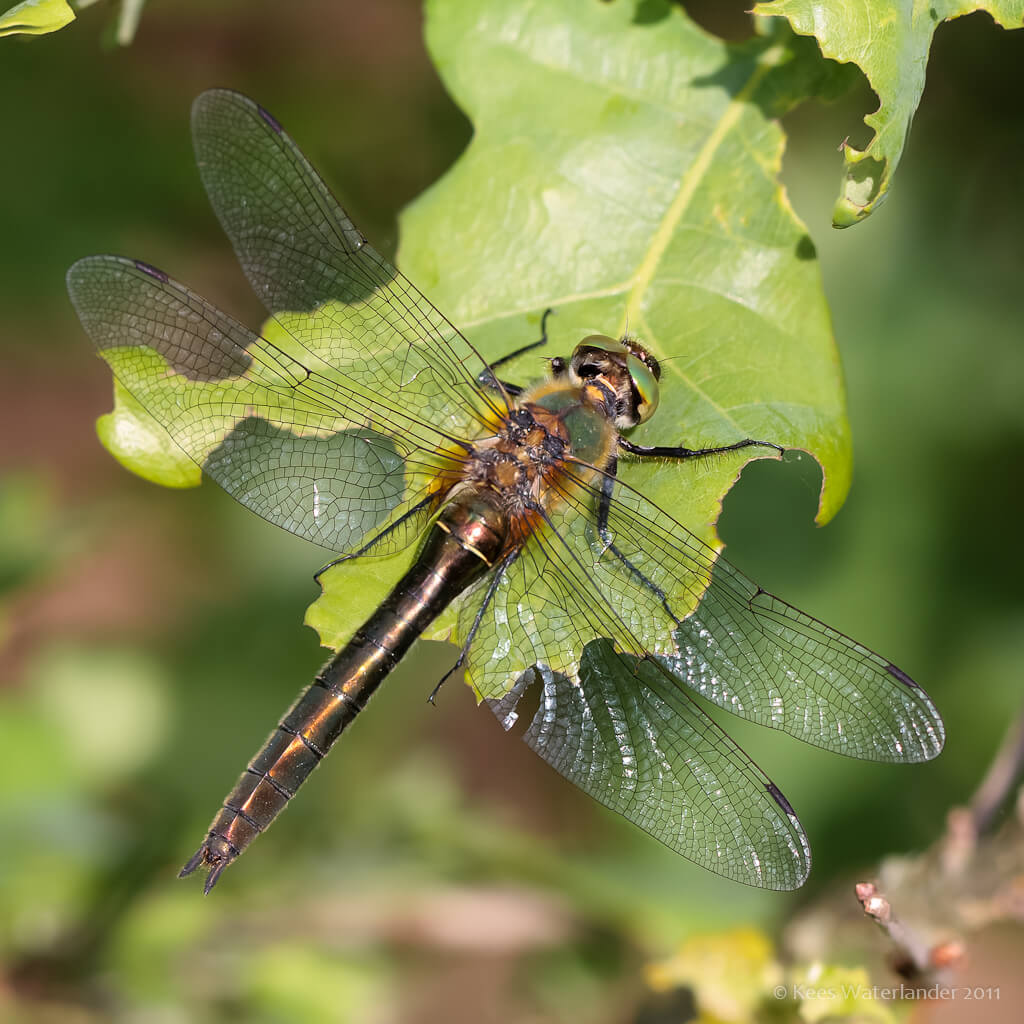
{"type": "Point", "coordinates": [466, 540]}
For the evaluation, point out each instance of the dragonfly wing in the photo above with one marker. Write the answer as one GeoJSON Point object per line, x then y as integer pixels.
{"type": "Point", "coordinates": [313, 269]}
{"type": "Point", "coordinates": [563, 589]}
{"type": "Point", "coordinates": [750, 652]}
{"type": "Point", "coordinates": [612, 720]}
{"type": "Point", "coordinates": [629, 737]}
{"type": "Point", "coordinates": [539, 613]}
{"type": "Point", "coordinates": [304, 448]}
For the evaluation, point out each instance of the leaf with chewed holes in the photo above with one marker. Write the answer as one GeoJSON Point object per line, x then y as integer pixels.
{"type": "Point", "coordinates": [889, 41]}
{"type": "Point", "coordinates": [624, 171]}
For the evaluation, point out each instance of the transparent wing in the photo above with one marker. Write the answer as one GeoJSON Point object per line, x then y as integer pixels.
{"type": "Point", "coordinates": [614, 722]}
{"type": "Point", "coordinates": [302, 254]}
{"type": "Point", "coordinates": [664, 592]}
{"type": "Point", "coordinates": [325, 457]}
{"type": "Point", "coordinates": [764, 660]}
{"type": "Point", "coordinates": [543, 611]}
{"type": "Point", "coordinates": [615, 715]}
{"type": "Point", "coordinates": [627, 736]}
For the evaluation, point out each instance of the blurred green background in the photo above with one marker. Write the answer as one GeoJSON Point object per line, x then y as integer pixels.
{"type": "Point", "coordinates": [434, 870]}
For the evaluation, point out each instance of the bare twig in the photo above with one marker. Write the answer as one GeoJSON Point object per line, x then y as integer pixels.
{"type": "Point", "coordinates": [1003, 773]}
{"type": "Point", "coordinates": [912, 952]}
{"type": "Point", "coordinates": [966, 825]}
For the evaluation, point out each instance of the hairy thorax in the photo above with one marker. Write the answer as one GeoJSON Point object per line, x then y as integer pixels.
{"type": "Point", "coordinates": [549, 447]}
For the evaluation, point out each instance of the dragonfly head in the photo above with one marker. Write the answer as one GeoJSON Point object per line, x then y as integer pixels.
{"type": "Point", "coordinates": [624, 370]}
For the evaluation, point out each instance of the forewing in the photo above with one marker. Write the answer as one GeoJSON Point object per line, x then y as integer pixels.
{"type": "Point", "coordinates": [303, 255]}
{"type": "Point", "coordinates": [323, 457]}
{"type": "Point", "coordinates": [751, 653]}
{"type": "Point", "coordinates": [629, 737]}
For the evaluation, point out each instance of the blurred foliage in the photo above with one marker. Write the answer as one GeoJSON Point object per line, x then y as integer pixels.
{"type": "Point", "coordinates": [729, 973]}
{"type": "Point", "coordinates": [890, 42]}
{"type": "Point", "coordinates": [738, 977]}
{"type": "Point", "coordinates": [433, 870]}
{"type": "Point", "coordinates": [26, 521]}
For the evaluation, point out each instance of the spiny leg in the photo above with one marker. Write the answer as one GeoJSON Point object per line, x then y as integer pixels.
{"type": "Point", "coordinates": [488, 597]}
{"type": "Point", "coordinates": [603, 507]}
{"type": "Point", "coordinates": [657, 452]}
{"type": "Point", "coordinates": [487, 378]}
{"type": "Point", "coordinates": [679, 452]}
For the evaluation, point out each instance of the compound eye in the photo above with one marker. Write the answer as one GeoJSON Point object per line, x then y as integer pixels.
{"type": "Point", "coordinates": [646, 384]}
{"type": "Point", "coordinates": [600, 341]}
{"type": "Point", "coordinates": [590, 358]}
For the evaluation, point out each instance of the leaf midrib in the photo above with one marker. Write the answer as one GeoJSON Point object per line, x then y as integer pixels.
{"type": "Point", "coordinates": [688, 184]}
{"type": "Point", "coordinates": [636, 285]}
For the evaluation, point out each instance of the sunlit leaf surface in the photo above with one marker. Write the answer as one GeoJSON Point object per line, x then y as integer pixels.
{"type": "Point", "coordinates": [625, 174]}
{"type": "Point", "coordinates": [635, 189]}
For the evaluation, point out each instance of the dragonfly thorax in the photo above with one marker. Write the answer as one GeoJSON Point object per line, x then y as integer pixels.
{"type": "Point", "coordinates": [529, 445]}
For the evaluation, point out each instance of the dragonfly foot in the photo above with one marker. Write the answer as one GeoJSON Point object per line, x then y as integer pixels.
{"type": "Point", "coordinates": [432, 699]}
{"type": "Point", "coordinates": [216, 853]}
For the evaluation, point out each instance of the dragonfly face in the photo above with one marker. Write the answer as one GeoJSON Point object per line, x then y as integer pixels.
{"type": "Point", "coordinates": [366, 423]}
{"type": "Point", "coordinates": [624, 369]}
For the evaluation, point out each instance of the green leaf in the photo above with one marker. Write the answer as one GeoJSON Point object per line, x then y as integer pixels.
{"type": "Point", "coordinates": [890, 42]}
{"type": "Point", "coordinates": [354, 588]}
{"type": "Point", "coordinates": [626, 173]}
{"type": "Point", "coordinates": [141, 444]}
{"type": "Point", "coordinates": [36, 18]}
{"type": "Point", "coordinates": [623, 171]}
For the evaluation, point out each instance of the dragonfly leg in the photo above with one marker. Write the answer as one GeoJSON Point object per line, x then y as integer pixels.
{"type": "Point", "coordinates": [603, 508]}
{"type": "Point", "coordinates": [657, 452]}
{"type": "Point", "coordinates": [679, 452]}
{"type": "Point", "coordinates": [415, 510]}
{"type": "Point", "coordinates": [487, 378]}
{"type": "Point", "coordinates": [488, 597]}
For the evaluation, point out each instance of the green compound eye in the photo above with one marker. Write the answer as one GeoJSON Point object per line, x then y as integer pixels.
{"type": "Point", "coordinates": [601, 341]}
{"type": "Point", "coordinates": [646, 384]}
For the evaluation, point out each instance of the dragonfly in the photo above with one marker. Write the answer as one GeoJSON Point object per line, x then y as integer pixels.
{"type": "Point", "coordinates": [365, 422]}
